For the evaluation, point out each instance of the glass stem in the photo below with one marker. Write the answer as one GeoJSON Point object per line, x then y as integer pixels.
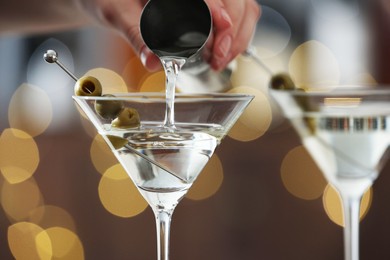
{"type": "Point", "coordinates": [163, 224]}
{"type": "Point", "coordinates": [351, 205]}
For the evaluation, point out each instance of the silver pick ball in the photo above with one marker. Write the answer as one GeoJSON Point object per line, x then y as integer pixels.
{"type": "Point", "coordinates": [50, 56]}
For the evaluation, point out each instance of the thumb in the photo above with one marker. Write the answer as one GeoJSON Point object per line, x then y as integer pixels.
{"type": "Point", "coordinates": [125, 18]}
{"type": "Point", "coordinates": [150, 61]}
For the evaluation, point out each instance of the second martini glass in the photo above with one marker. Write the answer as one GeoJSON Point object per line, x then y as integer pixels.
{"type": "Point", "coordinates": [162, 161]}
{"type": "Point", "coordinates": [347, 132]}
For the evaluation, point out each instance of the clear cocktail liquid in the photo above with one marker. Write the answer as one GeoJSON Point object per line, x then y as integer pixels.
{"type": "Point", "coordinates": [164, 164]}
{"type": "Point", "coordinates": [349, 150]}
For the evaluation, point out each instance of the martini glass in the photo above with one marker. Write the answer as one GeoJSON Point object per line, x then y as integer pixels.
{"type": "Point", "coordinates": [346, 129]}
{"type": "Point", "coordinates": [164, 162]}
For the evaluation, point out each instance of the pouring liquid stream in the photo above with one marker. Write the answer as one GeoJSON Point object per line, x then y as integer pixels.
{"type": "Point", "coordinates": [172, 67]}
{"type": "Point", "coordinates": [173, 59]}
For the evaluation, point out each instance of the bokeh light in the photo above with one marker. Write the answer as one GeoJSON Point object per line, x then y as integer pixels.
{"type": "Point", "coordinates": [249, 73]}
{"type": "Point", "coordinates": [101, 155]}
{"type": "Point", "coordinates": [19, 155]}
{"type": "Point", "coordinates": [50, 216]}
{"type": "Point", "coordinates": [119, 195]}
{"type": "Point", "coordinates": [154, 83]}
{"type": "Point", "coordinates": [256, 118]}
{"type": "Point", "coordinates": [209, 180]}
{"type": "Point", "coordinates": [312, 64]}
{"type": "Point", "coordinates": [18, 200]}
{"type": "Point", "coordinates": [111, 81]}
{"type": "Point", "coordinates": [134, 73]}
{"type": "Point", "coordinates": [44, 245]}
{"type": "Point", "coordinates": [65, 244]}
{"type": "Point", "coordinates": [30, 110]}
{"type": "Point", "coordinates": [24, 243]}
{"type": "Point", "coordinates": [301, 176]}
{"type": "Point", "coordinates": [333, 206]}
{"type": "Point", "coordinates": [277, 31]}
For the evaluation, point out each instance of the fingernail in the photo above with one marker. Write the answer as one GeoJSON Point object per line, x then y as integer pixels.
{"type": "Point", "coordinates": [224, 46]}
{"type": "Point", "coordinates": [226, 17]}
{"type": "Point", "coordinates": [143, 55]}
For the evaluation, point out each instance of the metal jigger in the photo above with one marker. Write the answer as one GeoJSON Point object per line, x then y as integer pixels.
{"type": "Point", "coordinates": [184, 29]}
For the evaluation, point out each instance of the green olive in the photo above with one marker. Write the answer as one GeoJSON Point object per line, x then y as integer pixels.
{"type": "Point", "coordinates": [311, 124]}
{"type": "Point", "coordinates": [127, 118]}
{"type": "Point", "coordinates": [88, 86]}
{"type": "Point", "coordinates": [108, 109]}
{"type": "Point", "coordinates": [282, 81]}
{"type": "Point", "coordinates": [116, 141]}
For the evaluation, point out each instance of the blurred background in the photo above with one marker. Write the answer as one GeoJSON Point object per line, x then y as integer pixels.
{"type": "Point", "coordinates": [64, 196]}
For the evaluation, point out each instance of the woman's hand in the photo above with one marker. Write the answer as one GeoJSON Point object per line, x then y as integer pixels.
{"type": "Point", "coordinates": [234, 23]}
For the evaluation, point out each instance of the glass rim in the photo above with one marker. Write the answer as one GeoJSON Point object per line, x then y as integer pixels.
{"type": "Point", "coordinates": [160, 96]}
{"type": "Point", "coordinates": [337, 90]}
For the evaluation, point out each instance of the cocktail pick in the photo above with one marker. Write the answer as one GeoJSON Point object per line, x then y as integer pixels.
{"type": "Point", "coordinates": [251, 53]}
{"type": "Point", "coordinates": [278, 80]}
{"type": "Point", "coordinates": [51, 56]}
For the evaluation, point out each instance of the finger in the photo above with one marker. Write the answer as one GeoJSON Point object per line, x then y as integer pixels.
{"type": "Point", "coordinates": [236, 11]}
{"type": "Point", "coordinates": [150, 61]}
{"type": "Point", "coordinates": [244, 15]}
{"type": "Point", "coordinates": [127, 20]}
{"type": "Point", "coordinates": [222, 33]}
{"type": "Point", "coordinates": [221, 19]}
{"type": "Point", "coordinates": [124, 17]}
{"type": "Point", "coordinates": [246, 29]}
{"type": "Point", "coordinates": [221, 49]}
